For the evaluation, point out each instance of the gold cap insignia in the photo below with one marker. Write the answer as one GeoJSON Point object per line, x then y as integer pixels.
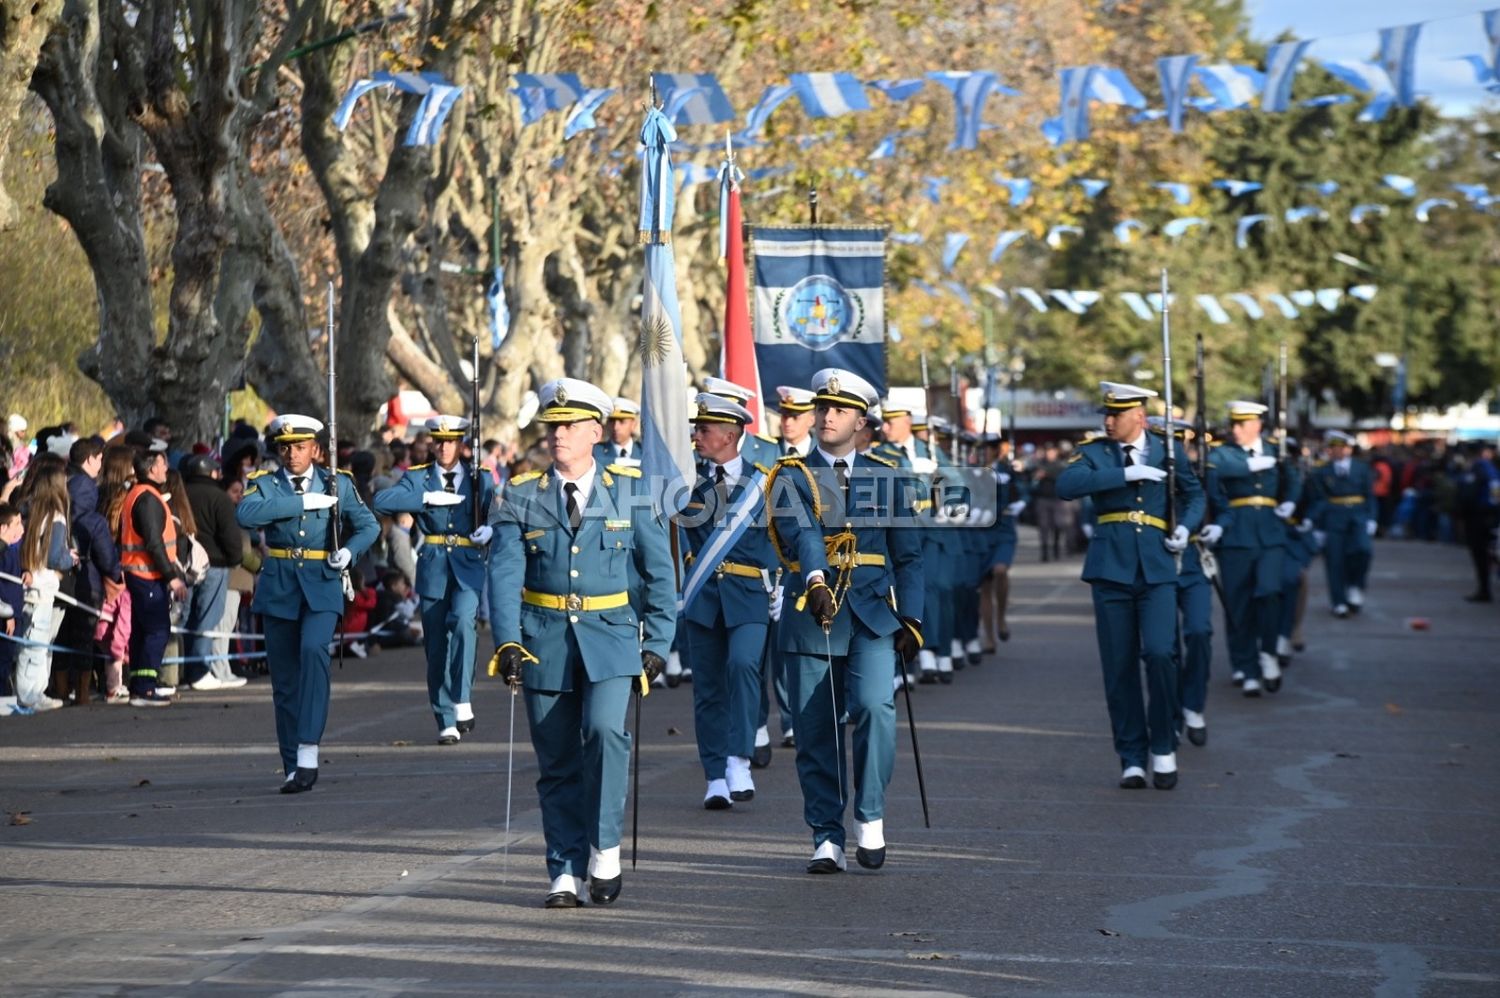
{"type": "Point", "coordinates": [833, 385]}
{"type": "Point", "coordinates": [560, 397]}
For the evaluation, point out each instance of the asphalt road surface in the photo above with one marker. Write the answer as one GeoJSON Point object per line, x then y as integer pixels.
{"type": "Point", "coordinates": [1339, 838]}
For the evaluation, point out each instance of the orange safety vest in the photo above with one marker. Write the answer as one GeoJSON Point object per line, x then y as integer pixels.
{"type": "Point", "coordinates": [134, 557]}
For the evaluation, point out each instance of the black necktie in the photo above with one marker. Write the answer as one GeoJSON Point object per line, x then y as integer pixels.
{"type": "Point", "coordinates": [299, 483]}
{"type": "Point", "coordinates": [575, 516]}
{"type": "Point", "coordinates": [624, 451]}
{"type": "Point", "coordinates": [1129, 454]}
{"type": "Point", "coordinates": [721, 487]}
{"type": "Point", "coordinates": [448, 485]}
{"type": "Point", "coordinates": [841, 473]}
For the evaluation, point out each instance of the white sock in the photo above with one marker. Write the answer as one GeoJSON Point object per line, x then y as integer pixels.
{"type": "Point", "coordinates": [1193, 719]}
{"type": "Point", "coordinates": [463, 711]}
{"type": "Point", "coordinates": [604, 864]}
{"type": "Point", "coordinates": [944, 664]}
{"type": "Point", "coordinates": [568, 883]}
{"type": "Point", "coordinates": [870, 834]}
{"type": "Point", "coordinates": [927, 660]}
{"type": "Point", "coordinates": [307, 757]}
{"type": "Point", "coordinates": [717, 788]}
{"type": "Point", "coordinates": [958, 648]}
{"type": "Point", "coordinates": [1133, 771]}
{"type": "Point", "coordinates": [830, 850]}
{"type": "Point", "coordinates": [973, 647]}
{"type": "Point", "coordinates": [1269, 667]}
{"type": "Point", "coordinates": [1164, 763]}
{"type": "Point", "coordinates": [762, 736]}
{"type": "Point", "coordinates": [1283, 645]}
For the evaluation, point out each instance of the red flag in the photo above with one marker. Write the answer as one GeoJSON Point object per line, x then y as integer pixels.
{"type": "Point", "coordinates": [738, 360]}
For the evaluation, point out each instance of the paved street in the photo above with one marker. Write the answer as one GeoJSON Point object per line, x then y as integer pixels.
{"type": "Point", "coordinates": [1336, 839]}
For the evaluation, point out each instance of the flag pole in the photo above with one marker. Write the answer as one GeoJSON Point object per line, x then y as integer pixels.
{"type": "Point", "coordinates": [812, 205]}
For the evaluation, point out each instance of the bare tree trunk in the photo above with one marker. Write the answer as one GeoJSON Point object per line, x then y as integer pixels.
{"type": "Point", "coordinates": [23, 26]}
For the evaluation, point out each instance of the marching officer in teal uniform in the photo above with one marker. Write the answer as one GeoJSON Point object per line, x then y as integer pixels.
{"type": "Point", "coordinates": [451, 568]}
{"type": "Point", "coordinates": [1195, 602]}
{"type": "Point", "coordinates": [569, 544]}
{"type": "Point", "coordinates": [300, 591]}
{"type": "Point", "coordinates": [621, 447]}
{"type": "Point", "coordinates": [1011, 497]}
{"type": "Point", "coordinates": [726, 598]}
{"type": "Point", "coordinates": [1132, 569]}
{"type": "Point", "coordinates": [1263, 494]}
{"type": "Point", "coordinates": [1343, 512]}
{"type": "Point", "coordinates": [1300, 552]}
{"type": "Point", "coordinates": [843, 524]}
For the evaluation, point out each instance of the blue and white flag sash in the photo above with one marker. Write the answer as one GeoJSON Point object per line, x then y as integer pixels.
{"type": "Point", "coordinates": [742, 514]}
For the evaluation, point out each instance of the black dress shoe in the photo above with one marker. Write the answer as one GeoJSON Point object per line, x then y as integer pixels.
{"type": "Point", "coordinates": [1283, 660]}
{"type": "Point", "coordinates": [1198, 736]}
{"type": "Point", "coordinates": [1478, 598]}
{"type": "Point", "coordinates": [1005, 635]}
{"type": "Point", "coordinates": [1299, 646]}
{"type": "Point", "coordinates": [870, 859]}
{"type": "Point", "coordinates": [973, 658]}
{"type": "Point", "coordinates": [673, 681]}
{"type": "Point", "coordinates": [761, 757]}
{"type": "Point", "coordinates": [1273, 685]}
{"type": "Point", "coordinates": [447, 739]}
{"type": "Point", "coordinates": [740, 796]}
{"type": "Point", "coordinates": [990, 650]}
{"type": "Point", "coordinates": [946, 678]}
{"type": "Point", "coordinates": [561, 899]}
{"type": "Point", "coordinates": [824, 865]}
{"type": "Point", "coordinates": [1164, 781]}
{"type": "Point", "coordinates": [605, 891]}
{"type": "Point", "coordinates": [960, 663]}
{"type": "Point", "coordinates": [716, 803]}
{"type": "Point", "coordinates": [788, 741]}
{"type": "Point", "coordinates": [1133, 782]}
{"type": "Point", "coordinates": [300, 781]}
{"type": "Point", "coordinates": [928, 677]}
{"type": "Point", "coordinates": [465, 727]}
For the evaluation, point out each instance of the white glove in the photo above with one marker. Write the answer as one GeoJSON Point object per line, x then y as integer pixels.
{"type": "Point", "coordinates": [340, 559]}
{"type": "Point", "coordinates": [1286, 509]}
{"type": "Point", "coordinates": [777, 595]}
{"type": "Point", "coordinates": [924, 465]}
{"type": "Point", "coordinates": [1088, 531]}
{"type": "Point", "coordinates": [318, 500]}
{"type": "Point", "coordinates": [1144, 473]}
{"type": "Point", "coordinates": [1178, 541]}
{"type": "Point", "coordinates": [1304, 526]}
{"type": "Point", "coordinates": [482, 535]}
{"type": "Point", "coordinates": [1262, 462]}
{"type": "Point", "coordinates": [1319, 537]}
{"type": "Point", "coordinates": [1210, 534]}
{"type": "Point", "coordinates": [1371, 526]}
{"type": "Point", "coordinates": [958, 511]}
{"type": "Point", "coordinates": [441, 498]}
{"type": "Point", "coordinates": [1014, 509]}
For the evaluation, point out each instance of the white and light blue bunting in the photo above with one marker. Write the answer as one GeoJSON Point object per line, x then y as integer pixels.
{"type": "Point", "coordinates": [829, 95]}
{"type": "Point", "coordinates": [438, 97]}
{"type": "Point", "coordinates": [1147, 306]}
{"type": "Point", "coordinates": [692, 98]}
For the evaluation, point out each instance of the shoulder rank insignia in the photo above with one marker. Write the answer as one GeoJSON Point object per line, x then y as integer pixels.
{"type": "Point", "coordinates": [530, 476]}
{"type": "Point", "coordinates": [881, 460]}
{"type": "Point", "coordinates": [769, 440]}
{"type": "Point", "coordinates": [420, 467]}
{"type": "Point", "coordinates": [762, 468]}
{"type": "Point", "coordinates": [1077, 456]}
{"type": "Point", "coordinates": [257, 474]}
{"type": "Point", "coordinates": [621, 469]}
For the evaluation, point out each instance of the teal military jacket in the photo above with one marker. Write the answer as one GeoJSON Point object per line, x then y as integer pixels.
{"type": "Point", "coordinates": [881, 528]}
{"type": "Point", "coordinates": [548, 585]}
{"type": "Point", "coordinates": [1130, 517]}
{"type": "Point", "coordinates": [1253, 496]}
{"type": "Point", "coordinates": [286, 585]}
{"type": "Point", "coordinates": [450, 554]}
{"type": "Point", "coordinates": [1333, 501]}
{"type": "Point", "coordinates": [734, 599]}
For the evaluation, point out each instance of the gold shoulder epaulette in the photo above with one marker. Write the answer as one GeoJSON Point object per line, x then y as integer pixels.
{"type": "Point", "coordinates": [529, 476]}
{"type": "Point", "coordinates": [769, 440]}
{"type": "Point", "coordinates": [346, 471]}
{"type": "Point", "coordinates": [762, 468]}
{"type": "Point", "coordinates": [420, 467]}
{"type": "Point", "coordinates": [620, 469]}
{"type": "Point", "coordinates": [881, 460]}
{"type": "Point", "coordinates": [1076, 456]}
{"type": "Point", "coordinates": [257, 474]}
{"type": "Point", "coordinates": [789, 459]}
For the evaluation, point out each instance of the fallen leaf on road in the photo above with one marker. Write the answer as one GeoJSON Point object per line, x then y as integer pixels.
{"type": "Point", "coordinates": [1345, 755]}
{"type": "Point", "coordinates": [251, 939]}
{"type": "Point", "coordinates": [673, 731]}
{"type": "Point", "coordinates": [20, 818]}
{"type": "Point", "coordinates": [1108, 932]}
{"type": "Point", "coordinates": [398, 743]}
{"type": "Point", "coordinates": [1392, 709]}
{"type": "Point", "coordinates": [144, 783]}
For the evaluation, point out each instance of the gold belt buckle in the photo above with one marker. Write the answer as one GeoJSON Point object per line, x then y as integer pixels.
{"type": "Point", "coordinates": [1136, 516]}
{"type": "Point", "coordinates": [450, 539]}
{"type": "Point", "coordinates": [574, 602]}
{"type": "Point", "coordinates": [297, 553]}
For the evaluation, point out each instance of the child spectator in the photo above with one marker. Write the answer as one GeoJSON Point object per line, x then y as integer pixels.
{"type": "Point", "coordinates": [46, 553]}
{"type": "Point", "coordinates": [98, 573]}
{"type": "Point", "coordinates": [357, 613]}
{"type": "Point", "coordinates": [395, 613]}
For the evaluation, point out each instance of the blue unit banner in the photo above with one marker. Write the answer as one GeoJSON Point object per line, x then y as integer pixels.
{"type": "Point", "coordinates": [819, 302]}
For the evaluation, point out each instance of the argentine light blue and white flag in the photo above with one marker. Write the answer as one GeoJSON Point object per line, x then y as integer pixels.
{"type": "Point", "coordinates": [1423, 210]}
{"type": "Point", "coordinates": [703, 102]}
{"type": "Point", "coordinates": [1329, 298]}
{"type": "Point", "coordinates": [1177, 227]}
{"type": "Point", "coordinates": [1004, 241]}
{"type": "Point", "coordinates": [1364, 292]}
{"type": "Point", "coordinates": [1304, 298]}
{"type": "Point", "coordinates": [494, 297]}
{"type": "Point", "coordinates": [1492, 32]}
{"type": "Point", "coordinates": [1303, 212]}
{"type": "Point", "coordinates": [1358, 212]}
{"type": "Point", "coordinates": [1175, 72]}
{"type": "Point", "coordinates": [1327, 188]}
{"type": "Point", "coordinates": [1019, 188]}
{"type": "Point", "coordinates": [1111, 86]}
{"type": "Point", "coordinates": [1137, 305]}
{"type": "Point", "coordinates": [908, 238]}
{"type": "Point", "coordinates": [1242, 229]}
{"type": "Point", "coordinates": [960, 292]}
{"type": "Point", "coordinates": [431, 113]}
{"type": "Point", "coordinates": [970, 90]}
{"type": "Point", "coordinates": [543, 92]}
{"type": "Point", "coordinates": [1366, 77]}
{"type": "Point", "coordinates": [666, 448]}
{"type": "Point", "coordinates": [1033, 299]}
{"type": "Point", "coordinates": [1125, 231]}
{"type": "Point", "coordinates": [828, 95]}
{"type": "Point", "coordinates": [346, 106]}
{"type": "Point", "coordinates": [581, 115]}
{"type": "Point", "coordinates": [1091, 187]}
{"type": "Point", "coordinates": [1212, 309]}
{"type": "Point", "coordinates": [1234, 188]}
{"type": "Point", "coordinates": [1249, 304]}
{"type": "Point", "coordinates": [886, 149]}
{"type": "Point", "coordinates": [1281, 66]}
{"type": "Point", "coordinates": [933, 188]}
{"type": "Point", "coordinates": [1181, 193]}
{"type": "Point", "coordinates": [1232, 86]}
{"type": "Point", "coordinates": [1283, 305]}
{"type": "Point", "coordinates": [953, 245]}
{"type": "Point", "coordinates": [1055, 234]}
{"type": "Point", "coordinates": [898, 89]}
{"type": "Point", "coordinates": [1398, 56]}
{"type": "Point", "coordinates": [770, 99]}
{"type": "Point", "coordinates": [1405, 186]}
{"type": "Point", "coordinates": [1068, 300]}
{"type": "Point", "coordinates": [1073, 83]}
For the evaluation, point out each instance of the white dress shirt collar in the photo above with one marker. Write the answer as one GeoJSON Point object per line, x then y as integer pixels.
{"type": "Point", "coordinates": [848, 458]}
{"type": "Point", "coordinates": [585, 483]}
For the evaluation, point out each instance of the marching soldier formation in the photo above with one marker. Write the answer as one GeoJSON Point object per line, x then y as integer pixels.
{"type": "Point", "coordinates": [865, 548]}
